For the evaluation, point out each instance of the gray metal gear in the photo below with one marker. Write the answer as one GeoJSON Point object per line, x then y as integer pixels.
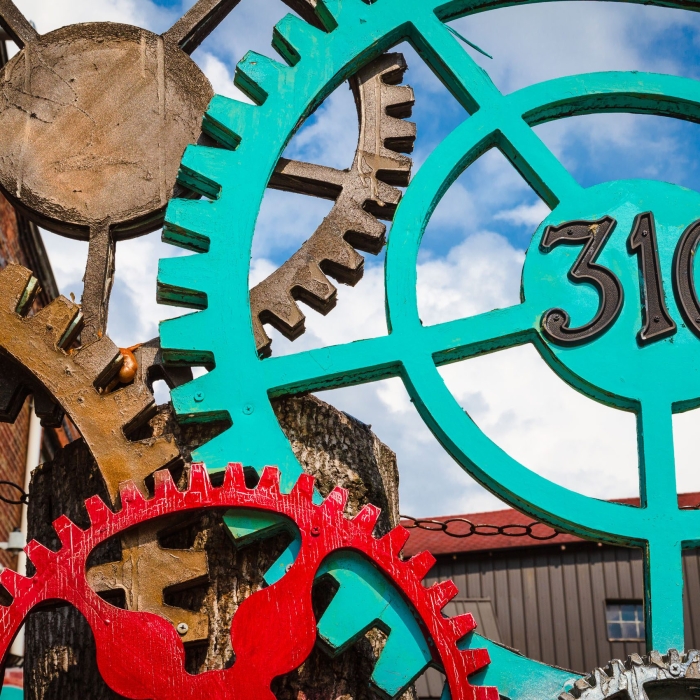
{"type": "Point", "coordinates": [670, 676]}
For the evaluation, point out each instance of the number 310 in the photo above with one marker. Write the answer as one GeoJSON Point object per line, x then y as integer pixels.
{"type": "Point", "coordinates": [656, 321]}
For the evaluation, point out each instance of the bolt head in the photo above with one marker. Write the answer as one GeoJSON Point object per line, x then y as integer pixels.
{"type": "Point", "coordinates": [199, 396]}
{"type": "Point", "coordinates": [182, 628]}
{"type": "Point", "coordinates": [248, 409]}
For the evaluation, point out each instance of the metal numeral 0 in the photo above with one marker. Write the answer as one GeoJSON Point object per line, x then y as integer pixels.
{"type": "Point", "coordinates": [683, 283]}
{"type": "Point", "coordinates": [593, 235]}
{"type": "Point", "coordinates": [642, 242]}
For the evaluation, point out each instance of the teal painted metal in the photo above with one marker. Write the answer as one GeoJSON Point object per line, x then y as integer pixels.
{"type": "Point", "coordinates": [375, 603]}
{"type": "Point", "coordinates": [653, 381]}
{"type": "Point", "coordinates": [11, 692]}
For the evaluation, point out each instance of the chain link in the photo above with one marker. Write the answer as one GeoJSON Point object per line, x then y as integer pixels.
{"type": "Point", "coordinates": [23, 497]}
{"type": "Point", "coordinates": [469, 529]}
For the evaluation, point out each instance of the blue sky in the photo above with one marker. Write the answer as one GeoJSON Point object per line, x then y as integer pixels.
{"type": "Point", "coordinates": [472, 253]}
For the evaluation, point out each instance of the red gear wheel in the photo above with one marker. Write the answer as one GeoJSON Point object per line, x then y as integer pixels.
{"type": "Point", "coordinates": [141, 656]}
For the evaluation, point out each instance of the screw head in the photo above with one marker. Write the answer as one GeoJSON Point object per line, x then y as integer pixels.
{"type": "Point", "coordinates": [248, 409]}
{"type": "Point", "coordinates": [199, 396]}
{"type": "Point", "coordinates": [182, 628]}
{"type": "Point", "coordinates": [315, 531]}
{"type": "Point", "coordinates": [674, 669]}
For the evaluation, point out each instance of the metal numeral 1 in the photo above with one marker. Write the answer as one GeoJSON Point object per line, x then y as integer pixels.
{"type": "Point", "coordinates": [642, 242]}
{"type": "Point", "coordinates": [593, 235]}
{"type": "Point", "coordinates": [683, 282]}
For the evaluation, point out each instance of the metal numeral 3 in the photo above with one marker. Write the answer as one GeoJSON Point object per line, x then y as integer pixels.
{"type": "Point", "coordinates": [593, 236]}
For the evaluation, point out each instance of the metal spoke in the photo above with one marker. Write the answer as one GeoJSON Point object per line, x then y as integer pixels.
{"type": "Point", "coordinates": [206, 15]}
{"type": "Point", "coordinates": [16, 24]}
{"type": "Point", "coordinates": [379, 358]}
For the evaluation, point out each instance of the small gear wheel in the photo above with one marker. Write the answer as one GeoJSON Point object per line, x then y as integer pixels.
{"type": "Point", "coordinates": [674, 674]}
{"type": "Point", "coordinates": [273, 631]}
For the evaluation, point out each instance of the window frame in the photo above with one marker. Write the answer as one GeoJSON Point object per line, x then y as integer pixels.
{"type": "Point", "coordinates": [640, 622]}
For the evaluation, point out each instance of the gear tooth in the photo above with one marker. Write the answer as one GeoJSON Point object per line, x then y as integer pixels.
{"type": "Point", "coordinates": [203, 169]}
{"type": "Point", "coordinates": [634, 660]}
{"type": "Point", "coordinates": [674, 656]}
{"type": "Point", "coordinates": [283, 314]}
{"type": "Point", "coordinates": [172, 273]}
{"type": "Point", "coordinates": [396, 539]}
{"type": "Point", "coordinates": [164, 484]}
{"type": "Point", "coordinates": [304, 487]}
{"type": "Point", "coordinates": [257, 76]}
{"type": "Point", "coordinates": [66, 530]}
{"type": "Point", "coordinates": [39, 555]}
{"type": "Point", "coordinates": [180, 339]}
{"type": "Point", "coordinates": [226, 119]}
{"type": "Point", "coordinates": [14, 282]}
{"type": "Point", "coordinates": [269, 480]}
{"type": "Point", "coordinates": [199, 481]}
{"type": "Point", "coordinates": [234, 478]}
{"type": "Point", "coordinates": [60, 321]}
{"type": "Point", "coordinates": [655, 658]}
{"type": "Point", "coordinates": [101, 359]}
{"type": "Point", "coordinates": [131, 497]}
{"type": "Point", "coordinates": [421, 563]}
{"type": "Point", "coordinates": [442, 593]}
{"type": "Point", "coordinates": [582, 684]}
{"type": "Point", "coordinates": [11, 580]}
{"type": "Point", "coordinates": [334, 504]}
{"type": "Point", "coordinates": [462, 625]}
{"type": "Point", "coordinates": [566, 696]}
{"type": "Point", "coordinates": [367, 517]}
{"type": "Point", "coordinates": [98, 511]}
{"type": "Point", "coordinates": [190, 223]}
{"type": "Point", "coordinates": [293, 38]}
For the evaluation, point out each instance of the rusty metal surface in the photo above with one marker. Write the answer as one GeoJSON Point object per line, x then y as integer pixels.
{"type": "Point", "coordinates": [146, 570]}
{"type": "Point", "coordinates": [75, 378]}
{"type": "Point", "coordinates": [362, 193]}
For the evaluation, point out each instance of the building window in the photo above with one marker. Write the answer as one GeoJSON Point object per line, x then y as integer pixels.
{"type": "Point", "coordinates": [625, 620]}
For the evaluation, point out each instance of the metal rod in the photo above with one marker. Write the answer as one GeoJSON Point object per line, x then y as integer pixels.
{"type": "Point", "coordinates": [16, 24]}
{"type": "Point", "coordinates": [98, 280]}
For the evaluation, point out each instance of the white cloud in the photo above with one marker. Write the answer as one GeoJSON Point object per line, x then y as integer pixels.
{"type": "Point", "coordinates": [479, 274]}
{"type": "Point", "coordinates": [525, 214]}
{"type": "Point", "coordinates": [48, 16]}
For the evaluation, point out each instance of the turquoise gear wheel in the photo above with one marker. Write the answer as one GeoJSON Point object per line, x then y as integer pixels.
{"type": "Point", "coordinates": [653, 379]}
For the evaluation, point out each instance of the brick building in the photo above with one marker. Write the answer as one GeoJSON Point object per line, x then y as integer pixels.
{"type": "Point", "coordinates": [23, 439]}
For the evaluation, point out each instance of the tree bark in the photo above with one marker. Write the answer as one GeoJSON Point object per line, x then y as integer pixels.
{"type": "Point", "coordinates": [332, 446]}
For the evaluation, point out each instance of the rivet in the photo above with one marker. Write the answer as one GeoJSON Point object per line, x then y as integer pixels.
{"type": "Point", "coordinates": [182, 628]}
{"type": "Point", "coordinates": [248, 409]}
{"type": "Point", "coordinates": [555, 317]}
{"type": "Point", "coordinates": [645, 233]}
{"type": "Point", "coordinates": [656, 319]}
{"type": "Point", "coordinates": [315, 530]}
{"type": "Point", "coordinates": [199, 396]}
{"type": "Point", "coordinates": [569, 232]}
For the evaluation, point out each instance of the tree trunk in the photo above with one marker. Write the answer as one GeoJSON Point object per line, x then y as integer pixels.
{"type": "Point", "coordinates": [333, 447]}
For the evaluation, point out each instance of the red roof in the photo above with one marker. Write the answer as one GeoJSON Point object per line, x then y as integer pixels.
{"type": "Point", "coordinates": [437, 542]}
